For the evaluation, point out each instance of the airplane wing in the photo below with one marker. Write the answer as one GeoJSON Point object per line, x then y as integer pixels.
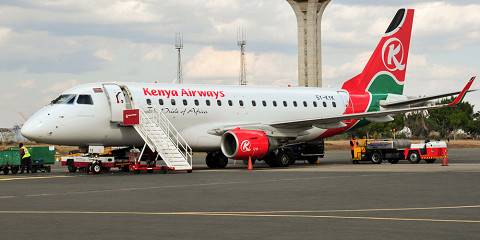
{"type": "Point", "coordinates": [297, 128]}
{"type": "Point", "coordinates": [378, 114]}
{"type": "Point", "coordinates": [417, 101]}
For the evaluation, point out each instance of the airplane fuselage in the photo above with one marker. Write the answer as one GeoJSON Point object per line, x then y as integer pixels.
{"type": "Point", "coordinates": [195, 110]}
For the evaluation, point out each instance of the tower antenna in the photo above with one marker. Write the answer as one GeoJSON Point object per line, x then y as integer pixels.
{"type": "Point", "coordinates": [242, 43]}
{"type": "Point", "coordinates": [179, 48]}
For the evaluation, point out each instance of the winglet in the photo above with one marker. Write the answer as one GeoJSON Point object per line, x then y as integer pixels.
{"type": "Point", "coordinates": [462, 94]}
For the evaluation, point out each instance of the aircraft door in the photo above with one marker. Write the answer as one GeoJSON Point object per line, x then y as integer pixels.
{"type": "Point", "coordinates": [117, 101]}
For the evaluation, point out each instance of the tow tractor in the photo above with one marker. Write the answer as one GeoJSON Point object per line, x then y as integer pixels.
{"type": "Point", "coordinates": [394, 150]}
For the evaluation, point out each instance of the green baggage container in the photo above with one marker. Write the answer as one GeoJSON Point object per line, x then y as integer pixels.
{"type": "Point", "coordinates": [9, 158]}
{"type": "Point", "coordinates": [9, 161]}
{"type": "Point", "coordinates": [42, 157]}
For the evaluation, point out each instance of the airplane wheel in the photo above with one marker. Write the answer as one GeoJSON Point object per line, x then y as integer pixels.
{"type": "Point", "coordinates": [413, 157]}
{"type": "Point", "coordinates": [222, 160]}
{"type": "Point", "coordinates": [355, 162]}
{"type": "Point", "coordinates": [216, 160]}
{"type": "Point", "coordinates": [210, 160]}
{"type": "Point", "coordinates": [376, 158]}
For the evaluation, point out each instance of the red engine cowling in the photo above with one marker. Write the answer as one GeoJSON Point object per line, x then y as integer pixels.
{"type": "Point", "coordinates": [241, 144]}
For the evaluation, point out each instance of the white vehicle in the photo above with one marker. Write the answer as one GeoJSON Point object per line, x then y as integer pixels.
{"type": "Point", "coordinates": [237, 122]}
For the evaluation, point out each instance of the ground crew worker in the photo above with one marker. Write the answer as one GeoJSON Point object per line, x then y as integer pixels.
{"type": "Point", "coordinates": [25, 159]}
{"type": "Point", "coordinates": [353, 145]}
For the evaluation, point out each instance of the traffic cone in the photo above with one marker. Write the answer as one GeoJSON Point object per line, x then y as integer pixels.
{"type": "Point", "coordinates": [250, 165]}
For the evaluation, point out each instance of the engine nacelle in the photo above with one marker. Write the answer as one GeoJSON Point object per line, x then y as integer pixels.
{"type": "Point", "coordinates": [241, 144]}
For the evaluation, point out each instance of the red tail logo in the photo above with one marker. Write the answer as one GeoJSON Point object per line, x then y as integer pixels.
{"type": "Point", "coordinates": [393, 55]}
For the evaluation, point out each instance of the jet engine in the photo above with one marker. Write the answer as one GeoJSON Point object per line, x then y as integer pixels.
{"type": "Point", "coordinates": [241, 143]}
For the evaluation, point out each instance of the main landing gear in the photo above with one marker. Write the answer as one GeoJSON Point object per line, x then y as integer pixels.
{"type": "Point", "coordinates": [281, 157]}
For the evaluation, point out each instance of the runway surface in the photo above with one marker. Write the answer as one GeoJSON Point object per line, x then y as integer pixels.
{"type": "Point", "coordinates": [331, 200]}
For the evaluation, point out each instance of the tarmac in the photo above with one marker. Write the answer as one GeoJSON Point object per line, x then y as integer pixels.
{"type": "Point", "coordinates": [331, 200]}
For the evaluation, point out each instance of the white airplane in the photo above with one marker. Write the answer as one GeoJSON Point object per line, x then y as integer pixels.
{"type": "Point", "coordinates": [274, 124]}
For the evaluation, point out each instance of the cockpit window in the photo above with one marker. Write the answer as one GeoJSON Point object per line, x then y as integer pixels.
{"type": "Point", "coordinates": [85, 99]}
{"type": "Point", "coordinates": [71, 101]}
{"type": "Point", "coordinates": [65, 99]}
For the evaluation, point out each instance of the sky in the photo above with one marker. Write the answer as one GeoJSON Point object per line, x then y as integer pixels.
{"type": "Point", "coordinates": [48, 46]}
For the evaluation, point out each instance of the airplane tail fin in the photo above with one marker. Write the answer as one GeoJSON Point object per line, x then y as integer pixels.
{"type": "Point", "coordinates": [385, 71]}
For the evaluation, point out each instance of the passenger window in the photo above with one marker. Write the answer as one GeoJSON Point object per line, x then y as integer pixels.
{"type": "Point", "coordinates": [230, 103]}
{"type": "Point", "coordinates": [160, 101]}
{"type": "Point", "coordinates": [241, 103]}
{"type": "Point", "coordinates": [254, 104]}
{"type": "Point", "coordinates": [315, 104]}
{"type": "Point", "coordinates": [185, 102]}
{"type": "Point", "coordinates": [295, 103]}
{"type": "Point", "coordinates": [324, 104]}
{"type": "Point", "coordinates": [305, 104]}
{"type": "Point", "coordinates": [149, 102]}
{"type": "Point", "coordinates": [219, 103]}
{"type": "Point", "coordinates": [196, 102]}
{"type": "Point", "coordinates": [264, 103]}
{"type": "Point", "coordinates": [85, 99]}
{"type": "Point", "coordinates": [284, 103]}
{"type": "Point", "coordinates": [274, 103]}
{"type": "Point", "coordinates": [173, 102]}
{"type": "Point", "coordinates": [334, 104]}
{"type": "Point", "coordinates": [207, 102]}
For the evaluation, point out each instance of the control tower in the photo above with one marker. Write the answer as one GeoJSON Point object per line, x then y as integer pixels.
{"type": "Point", "coordinates": [309, 18]}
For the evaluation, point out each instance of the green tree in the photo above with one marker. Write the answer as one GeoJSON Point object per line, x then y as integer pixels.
{"type": "Point", "coordinates": [448, 119]}
{"type": "Point", "coordinates": [442, 120]}
{"type": "Point", "coordinates": [474, 126]}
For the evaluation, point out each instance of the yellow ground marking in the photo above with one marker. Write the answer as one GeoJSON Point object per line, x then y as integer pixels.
{"type": "Point", "coordinates": [272, 214]}
{"type": "Point", "coordinates": [32, 178]}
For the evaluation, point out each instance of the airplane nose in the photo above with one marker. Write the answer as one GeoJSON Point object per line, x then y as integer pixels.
{"type": "Point", "coordinates": [32, 129]}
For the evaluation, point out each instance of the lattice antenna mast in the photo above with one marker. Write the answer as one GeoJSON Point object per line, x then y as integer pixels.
{"type": "Point", "coordinates": [179, 48]}
{"type": "Point", "coordinates": [242, 43]}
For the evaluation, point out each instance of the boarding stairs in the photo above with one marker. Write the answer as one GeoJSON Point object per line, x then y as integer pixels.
{"type": "Point", "coordinates": [162, 137]}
